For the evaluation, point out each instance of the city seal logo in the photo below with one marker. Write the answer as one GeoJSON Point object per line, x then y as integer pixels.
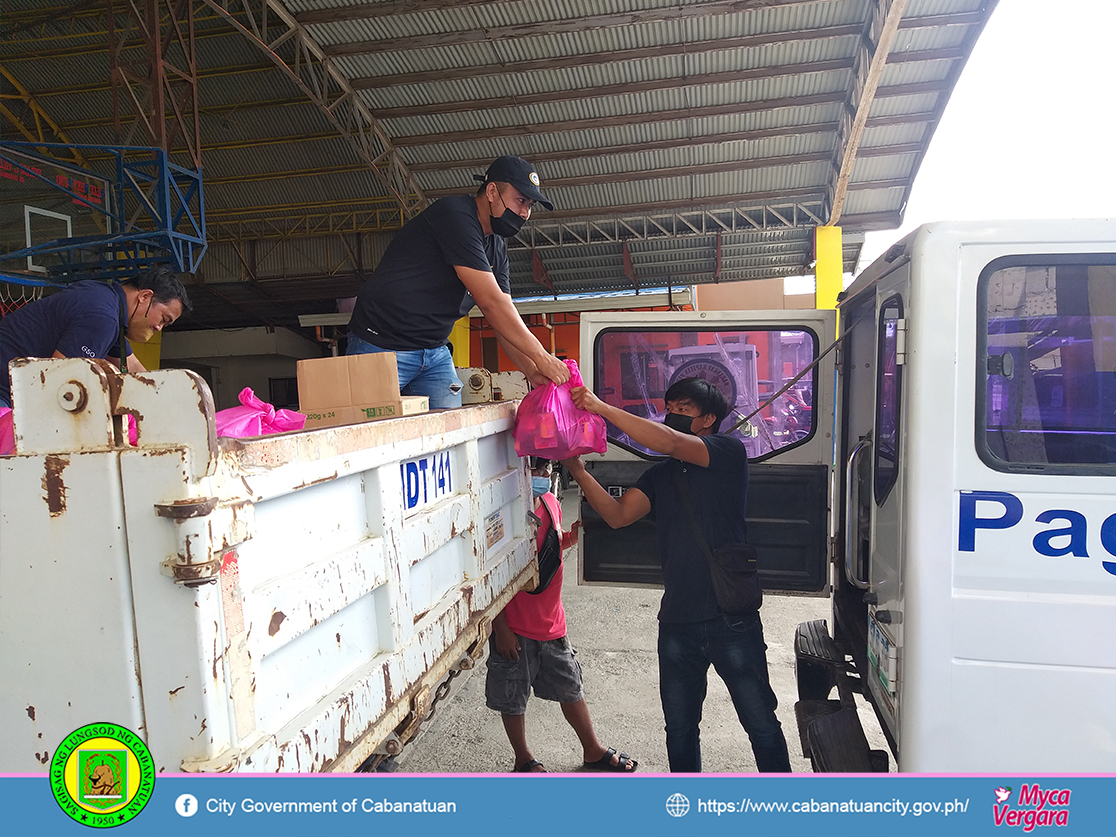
{"type": "Point", "coordinates": [102, 775]}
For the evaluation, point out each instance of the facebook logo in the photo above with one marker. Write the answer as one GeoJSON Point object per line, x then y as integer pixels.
{"type": "Point", "coordinates": [186, 805]}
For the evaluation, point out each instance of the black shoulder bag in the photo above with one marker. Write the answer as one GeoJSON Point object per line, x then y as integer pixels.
{"type": "Point", "coordinates": [550, 559]}
{"type": "Point", "coordinates": [732, 566]}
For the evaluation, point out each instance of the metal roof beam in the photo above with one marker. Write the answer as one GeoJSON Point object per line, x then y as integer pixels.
{"type": "Point", "coordinates": [327, 88]}
{"type": "Point", "coordinates": [37, 52]}
{"type": "Point", "coordinates": [388, 8]}
{"type": "Point", "coordinates": [657, 116]}
{"type": "Point", "coordinates": [621, 120]}
{"type": "Point", "coordinates": [610, 90]}
{"type": "Point", "coordinates": [635, 147]}
{"type": "Point", "coordinates": [213, 72]}
{"type": "Point", "coordinates": [588, 23]}
{"type": "Point", "coordinates": [882, 28]}
{"type": "Point", "coordinates": [231, 107]}
{"type": "Point", "coordinates": [611, 57]}
{"type": "Point", "coordinates": [659, 223]}
{"type": "Point", "coordinates": [676, 171]}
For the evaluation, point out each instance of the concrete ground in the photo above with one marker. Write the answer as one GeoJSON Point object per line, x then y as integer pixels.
{"type": "Point", "coordinates": [614, 631]}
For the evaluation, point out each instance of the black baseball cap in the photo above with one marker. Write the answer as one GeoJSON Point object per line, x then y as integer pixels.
{"type": "Point", "coordinates": [519, 173]}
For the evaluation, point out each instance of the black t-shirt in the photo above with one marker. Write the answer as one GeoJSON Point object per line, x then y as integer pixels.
{"type": "Point", "coordinates": [413, 297]}
{"type": "Point", "coordinates": [717, 494]}
{"type": "Point", "coordinates": [84, 320]}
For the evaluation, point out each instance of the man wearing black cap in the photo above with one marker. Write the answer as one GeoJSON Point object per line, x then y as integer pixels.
{"type": "Point", "coordinates": [446, 259]}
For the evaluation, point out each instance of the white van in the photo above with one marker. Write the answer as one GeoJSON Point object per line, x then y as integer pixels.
{"type": "Point", "coordinates": [947, 476]}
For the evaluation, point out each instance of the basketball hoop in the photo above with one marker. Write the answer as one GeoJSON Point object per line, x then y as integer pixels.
{"type": "Point", "coordinates": [15, 295]}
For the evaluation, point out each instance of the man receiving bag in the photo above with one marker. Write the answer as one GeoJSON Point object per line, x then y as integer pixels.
{"type": "Point", "coordinates": [710, 607]}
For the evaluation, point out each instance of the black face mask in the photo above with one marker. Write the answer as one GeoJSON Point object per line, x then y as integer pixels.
{"type": "Point", "coordinates": [679, 422]}
{"type": "Point", "coordinates": [507, 224]}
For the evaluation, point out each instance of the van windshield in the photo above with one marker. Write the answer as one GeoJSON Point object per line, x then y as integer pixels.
{"type": "Point", "coordinates": [1049, 364]}
{"type": "Point", "coordinates": [634, 369]}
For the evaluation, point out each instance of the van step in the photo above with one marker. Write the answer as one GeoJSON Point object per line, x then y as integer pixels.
{"type": "Point", "coordinates": [836, 744]}
{"type": "Point", "coordinates": [808, 711]}
{"type": "Point", "coordinates": [813, 643]}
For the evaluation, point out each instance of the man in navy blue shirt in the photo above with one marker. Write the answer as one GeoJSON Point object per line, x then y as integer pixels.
{"type": "Point", "coordinates": [693, 631]}
{"type": "Point", "coordinates": [446, 259]}
{"type": "Point", "coordinates": [94, 319]}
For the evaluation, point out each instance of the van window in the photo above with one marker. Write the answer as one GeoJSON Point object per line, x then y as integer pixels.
{"type": "Point", "coordinates": [634, 369]}
{"type": "Point", "coordinates": [1046, 364]}
{"type": "Point", "coordinates": [888, 390]}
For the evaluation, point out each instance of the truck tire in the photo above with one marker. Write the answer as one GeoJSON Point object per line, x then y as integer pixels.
{"type": "Point", "coordinates": [815, 682]}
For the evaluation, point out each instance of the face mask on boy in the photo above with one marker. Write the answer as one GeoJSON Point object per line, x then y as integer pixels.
{"type": "Point", "coordinates": [539, 486]}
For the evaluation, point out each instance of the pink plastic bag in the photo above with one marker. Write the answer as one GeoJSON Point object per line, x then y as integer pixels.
{"type": "Point", "coordinates": [7, 432]}
{"type": "Point", "coordinates": [256, 418]}
{"type": "Point", "coordinates": [548, 424]}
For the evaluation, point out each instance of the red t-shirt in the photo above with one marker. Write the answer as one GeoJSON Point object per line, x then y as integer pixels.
{"type": "Point", "coordinates": [540, 617]}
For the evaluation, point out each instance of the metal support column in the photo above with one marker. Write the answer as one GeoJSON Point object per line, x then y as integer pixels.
{"type": "Point", "coordinates": [155, 75]}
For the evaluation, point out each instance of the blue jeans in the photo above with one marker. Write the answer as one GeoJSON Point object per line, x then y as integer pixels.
{"type": "Point", "coordinates": [428, 372]}
{"type": "Point", "coordinates": [735, 647]}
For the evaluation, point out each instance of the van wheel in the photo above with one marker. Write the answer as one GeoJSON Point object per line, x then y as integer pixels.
{"type": "Point", "coordinates": [815, 682]}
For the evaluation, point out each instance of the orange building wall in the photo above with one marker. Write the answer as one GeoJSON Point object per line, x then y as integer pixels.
{"type": "Point", "coordinates": [567, 340]}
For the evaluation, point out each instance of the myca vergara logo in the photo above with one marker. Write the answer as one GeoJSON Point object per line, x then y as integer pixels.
{"type": "Point", "coordinates": [102, 775]}
{"type": "Point", "coordinates": [1036, 807]}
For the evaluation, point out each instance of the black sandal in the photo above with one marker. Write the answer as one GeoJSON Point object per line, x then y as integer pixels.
{"type": "Point", "coordinates": [530, 766]}
{"type": "Point", "coordinates": [604, 763]}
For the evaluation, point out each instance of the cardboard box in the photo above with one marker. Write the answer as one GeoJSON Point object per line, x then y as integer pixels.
{"type": "Point", "coordinates": [415, 404]}
{"type": "Point", "coordinates": [353, 388]}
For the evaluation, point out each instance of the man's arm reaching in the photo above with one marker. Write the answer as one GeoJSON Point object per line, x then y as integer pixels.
{"type": "Point", "coordinates": [498, 309]}
{"type": "Point", "coordinates": [631, 506]}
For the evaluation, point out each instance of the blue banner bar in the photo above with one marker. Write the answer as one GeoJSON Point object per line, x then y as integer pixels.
{"type": "Point", "coordinates": [562, 805]}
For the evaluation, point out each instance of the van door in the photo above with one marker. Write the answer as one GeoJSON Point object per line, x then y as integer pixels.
{"type": "Point", "coordinates": [630, 359]}
{"type": "Point", "coordinates": [868, 593]}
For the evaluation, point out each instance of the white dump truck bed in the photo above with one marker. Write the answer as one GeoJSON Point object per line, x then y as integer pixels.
{"type": "Point", "coordinates": [283, 603]}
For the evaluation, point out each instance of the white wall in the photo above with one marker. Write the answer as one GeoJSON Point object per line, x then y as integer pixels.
{"type": "Point", "coordinates": [233, 360]}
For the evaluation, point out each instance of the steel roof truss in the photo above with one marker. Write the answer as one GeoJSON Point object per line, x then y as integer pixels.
{"type": "Point", "coordinates": [328, 89]}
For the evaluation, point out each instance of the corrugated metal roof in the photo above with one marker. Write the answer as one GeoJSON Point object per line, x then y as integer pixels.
{"type": "Point", "coordinates": [701, 115]}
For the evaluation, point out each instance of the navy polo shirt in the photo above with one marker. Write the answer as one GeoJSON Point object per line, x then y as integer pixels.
{"type": "Point", "coordinates": [84, 320]}
{"type": "Point", "coordinates": [414, 296]}
{"type": "Point", "coordinates": [717, 494]}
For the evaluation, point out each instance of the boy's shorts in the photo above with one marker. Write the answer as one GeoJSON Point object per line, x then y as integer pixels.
{"type": "Point", "coordinates": [551, 667]}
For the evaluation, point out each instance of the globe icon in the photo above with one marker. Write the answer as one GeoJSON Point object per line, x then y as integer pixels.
{"type": "Point", "coordinates": [677, 805]}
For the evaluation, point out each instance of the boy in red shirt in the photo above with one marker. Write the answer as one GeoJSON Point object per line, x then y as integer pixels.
{"type": "Point", "coordinates": [529, 649]}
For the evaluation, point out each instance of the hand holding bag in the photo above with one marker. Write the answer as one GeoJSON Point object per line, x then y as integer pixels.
{"type": "Point", "coordinates": [732, 566]}
{"type": "Point", "coordinates": [548, 424]}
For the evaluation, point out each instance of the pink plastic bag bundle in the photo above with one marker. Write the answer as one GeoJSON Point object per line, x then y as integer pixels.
{"type": "Point", "coordinates": [7, 433]}
{"type": "Point", "coordinates": [256, 418]}
{"type": "Point", "coordinates": [549, 425]}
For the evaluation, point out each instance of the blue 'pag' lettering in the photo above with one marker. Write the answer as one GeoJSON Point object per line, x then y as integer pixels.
{"type": "Point", "coordinates": [1076, 531]}
{"type": "Point", "coordinates": [969, 522]}
{"type": "Point", "coordinates": [1108, 541]}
